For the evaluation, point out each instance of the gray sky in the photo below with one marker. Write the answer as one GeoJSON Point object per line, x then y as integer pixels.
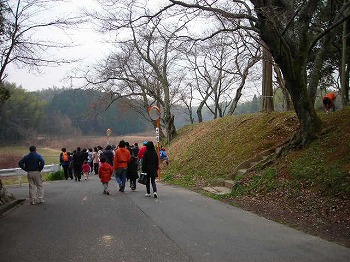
{"type": "Point", "coordinates": [89, 52]}
{"type": "Point", "coordinates": [90, 48]}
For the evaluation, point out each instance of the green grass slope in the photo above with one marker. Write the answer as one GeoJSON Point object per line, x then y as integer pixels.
{"type": "Point", "coordinates": [210, 150]}
{"type": "Point", "coordinates": [307, 188]}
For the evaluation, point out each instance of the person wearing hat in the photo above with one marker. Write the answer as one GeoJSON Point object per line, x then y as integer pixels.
{"type": "Point", "coordinates": [33, 164]}
{"type": "Point", "coordinates": [142, 151]}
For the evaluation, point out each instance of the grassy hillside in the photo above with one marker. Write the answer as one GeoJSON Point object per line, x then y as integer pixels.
{"type": "Point", "coordinates": [307, 188]}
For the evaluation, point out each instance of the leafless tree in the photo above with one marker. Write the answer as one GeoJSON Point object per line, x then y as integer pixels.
{"type": "Point", "coordinates": [220, 66]}
{"type": "Point", "coordinates": [22, 41]}
{"type": "Point", "coordinates": [187, 98]}
{"type": "Point", "coordinates": [288, 29]}
{"type": "Point", "coordinates": [144, 66]}
{"type": "Point", "coordinates": [246, 56]}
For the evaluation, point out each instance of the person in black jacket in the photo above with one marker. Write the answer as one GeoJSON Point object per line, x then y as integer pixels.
{"type": "Point", "coordinates": [132, 173]}
{"type": "Point", "coordinates": [150, 165]}
{"type": "Point", "coordinates": [78, 160]}
{"type": "Point", "coordinates": [108, 154]}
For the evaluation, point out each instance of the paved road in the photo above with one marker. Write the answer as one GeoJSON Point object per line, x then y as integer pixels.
{"type": "Point", "coordinates": [78, 223]}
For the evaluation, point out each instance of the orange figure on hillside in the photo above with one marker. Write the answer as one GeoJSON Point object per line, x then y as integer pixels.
{"type": "Point", "coordinates": [328, 102]}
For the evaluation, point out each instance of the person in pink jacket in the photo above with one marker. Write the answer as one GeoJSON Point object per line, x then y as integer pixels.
{"type": "Point", "coordinates": [105, 172]}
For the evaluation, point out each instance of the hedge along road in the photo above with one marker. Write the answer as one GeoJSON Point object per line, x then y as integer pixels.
{"type": "Point", "coordinates": [78, 223]}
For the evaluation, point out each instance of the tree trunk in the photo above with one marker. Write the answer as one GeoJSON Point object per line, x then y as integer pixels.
{"type": "Point", "coordinates": [310, 123]}
{"type": "Point", "coordinates": [344, 72]}
{"type": "Point", "coordinates": [201, 105]}
{"type": "Point", "coordinates": [171, 130]}
{"type": "Point", "coordinates": [199, 112]}
{"type": "Point", "coordinates": [282, 85]}
{"type": "Point", "coordinates": [291, 54]}
{"type": "Point", "coordinates": [315, 73]}
{"type": "Point", "coordinates": [234, 102]}
{"type": "Point", "coordinates": [267, 90]}
{"type": "Point", "coordinates": [168, 116]}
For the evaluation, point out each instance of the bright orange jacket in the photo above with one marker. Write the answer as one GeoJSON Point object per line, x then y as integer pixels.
{"type": "Point", "coordinates": [122, 158]}
{"type": "Point", "coordinates": [330, 96]}
{"type": "Point", "coordinates": [105, 172]}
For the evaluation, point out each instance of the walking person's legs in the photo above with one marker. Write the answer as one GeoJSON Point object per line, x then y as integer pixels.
{"type": "Point", "coordinates": [96, 168]}
{"type": "Point", "coordinates": [79, 173]}
{"type": "Point", "coordinates": [118, 178]}
{"type": "Point", "coordinates": [75, 169]}
{"type": "Point", "coordinates": [123, 178]}
{"type": "Point", "coordinates": [70, 172]}
{"type": "Point", "coordinates": [105, 188]}
{"type": "Point", "coordinates": [40, 187]}
{"type": "Point", "coordinates": [32, 188]}
{"type": "Point", "coordinates": [148, 187]}
{"type": "Point", "coordinates": [133, 183]}
{"type": "Point", "coordinates": [154, 186]}
{"type": "Point", "coordinates": [36, 188]}
{"type": "Point", "coordinates": [65, 171]}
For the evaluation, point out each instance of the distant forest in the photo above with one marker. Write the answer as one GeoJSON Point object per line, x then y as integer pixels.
{"type": "Point", "coordinates": [64, 113]}
{"type": "Point", "coordinates": [60, 113]}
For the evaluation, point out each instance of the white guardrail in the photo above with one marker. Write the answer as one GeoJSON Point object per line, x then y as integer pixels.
{"type": "Point", "coordinates": [20, 172]}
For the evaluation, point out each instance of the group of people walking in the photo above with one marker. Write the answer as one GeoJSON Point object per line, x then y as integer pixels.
{"type": "Point", "coordinates": [125, 162]}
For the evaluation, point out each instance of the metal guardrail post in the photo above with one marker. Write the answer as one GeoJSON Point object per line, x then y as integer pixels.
{"type": "Point", "coordinates": [19, 172]}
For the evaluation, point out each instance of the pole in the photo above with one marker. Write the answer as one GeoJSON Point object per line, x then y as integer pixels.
{"type": "Point", "coordinates": [158, 147]}
{"type": "Point", "coordinates": [154, 113]}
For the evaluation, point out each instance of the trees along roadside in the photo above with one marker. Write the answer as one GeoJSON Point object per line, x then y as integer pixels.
{"type": "Point", "coordinates": [289, 32]}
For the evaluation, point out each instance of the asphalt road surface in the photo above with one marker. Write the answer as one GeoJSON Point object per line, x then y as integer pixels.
{"type": "Point", "coordinates": [78, 223]}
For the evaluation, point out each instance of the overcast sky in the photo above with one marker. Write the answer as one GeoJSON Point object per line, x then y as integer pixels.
{"type": "Point", "coordinates": [91, 47]}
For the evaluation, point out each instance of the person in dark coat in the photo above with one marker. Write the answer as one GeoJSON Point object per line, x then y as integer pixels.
{"type": "Point", "coordinates": [150, 165]}
{"type": "Point", "coordinates": [132, 172]}
{"type": "Point", "coordinates": [78, 160]}
{"type": "Point", "coordinates": [108, 154]}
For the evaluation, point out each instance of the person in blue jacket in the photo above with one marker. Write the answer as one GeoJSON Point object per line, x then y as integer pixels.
{"type": "Point", "coordinates": [33, 164]}
{"type": "Point", "coordinates": [163, 155]}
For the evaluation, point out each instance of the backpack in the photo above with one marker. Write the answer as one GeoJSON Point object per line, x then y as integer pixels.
{"type": "Point", "coordinates": [65, 157]}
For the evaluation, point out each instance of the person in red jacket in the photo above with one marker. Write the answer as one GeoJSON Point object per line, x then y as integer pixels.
{"type": "Point", "coordinates": [142, 151]}
{"type": "Point", "coordinates": [105, 172]}
{"type": "Point", "coordinates": [328, 102]}
{"type": "Point", "coordinates": [85, 168]}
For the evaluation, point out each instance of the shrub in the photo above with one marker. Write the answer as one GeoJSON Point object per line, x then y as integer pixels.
{"type": "Point", "coordinates": [58, 175]}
